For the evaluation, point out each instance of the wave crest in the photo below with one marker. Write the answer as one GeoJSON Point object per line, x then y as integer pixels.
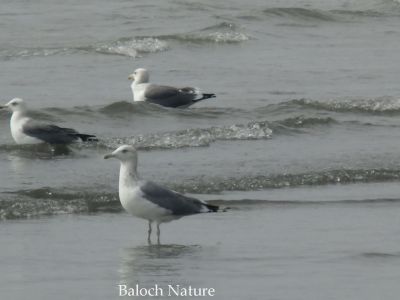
{"type": "Point", "coordinates": [220, 33]}
{"type": "Point", "coordinates": [34, 52]}
{"type": "Point", "coordinates": [260, 182]}
{"type": "Point", "coordinates": [333, 15]}
{"type": "Point", "coordinates": [381, 105]}
{"type": "Point", "coordinates": [134, 47]}
{"type": "Point", "coordinates": [201, 137]}
{"type": "Point", "coordinates": [299, 13]}
{"type": "Point", "coordinates": [48, 201]}
{"type": "Point", "coordinates": [197, 137]}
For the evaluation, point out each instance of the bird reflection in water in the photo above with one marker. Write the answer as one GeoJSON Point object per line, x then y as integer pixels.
{"type": "Point", "coordinates": [143, 264]}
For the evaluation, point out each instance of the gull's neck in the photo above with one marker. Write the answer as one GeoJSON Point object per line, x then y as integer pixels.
{"type": "Point", "coordinates": [128, 175]}
{"type": "Point", "coordinates": [133, 85]}
{"type": "Point", "coordinates": [138, 82]}
{"type": "Point", "coordinates": [17, 116]}
{"type": "Point", "coordinates": [17, 121]}
{"type": "Point", "coordinates": [138, 90]}
{"type": "Point", "coordinates": [19, 113]}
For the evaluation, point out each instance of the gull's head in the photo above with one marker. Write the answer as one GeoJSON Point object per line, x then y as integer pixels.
{"type": "Point", "coordinates": [124, 153]}
{"type": "Point", "coordinates": [139, 76]}
{"type": "Point", "coordinates": [14, 105]}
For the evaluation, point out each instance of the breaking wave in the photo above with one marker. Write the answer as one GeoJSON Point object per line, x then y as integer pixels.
{"type": "Point", "coordinates": [8, 54]}
{"type": "Point", "coordinates": [196, 137]}
{"type": "Point", "coordinates": [133, 47]}
{"type": "Point", "coordinates": [220, 33]}
{"type": "Point", "coordinates": [333, 15]}
{"type": "Point", "coordinates": [381, 105]}
{"type": "Point", "coordinates": [202, 137]}
{"type": "Point", "coordinates": [136, 46]}
{"type": "Point", "coordinates": [299, 13]}
{"type": "Point", "coordinates": [47, 201]}
{"type": "Point", "coordinates": [260, 182]}
{"type": "Point", "coordinates": [191, 137]}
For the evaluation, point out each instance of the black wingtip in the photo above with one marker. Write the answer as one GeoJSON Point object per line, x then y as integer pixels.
{"type": "Point", "coordinates": [213, 208]}
{"type": "Point", "coordinates": [88, 137]}
{"type": "Point", "coordinates": [205, 96]}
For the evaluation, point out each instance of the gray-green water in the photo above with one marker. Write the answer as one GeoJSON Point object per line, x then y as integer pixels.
{"type": "Point", "coordinates": [301, 142]}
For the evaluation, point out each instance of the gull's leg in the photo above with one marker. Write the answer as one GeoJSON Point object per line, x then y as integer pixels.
{"type": "Point", "coordinates": [149, 234]}
{"type": "Point", "coordinates": [158, 233]}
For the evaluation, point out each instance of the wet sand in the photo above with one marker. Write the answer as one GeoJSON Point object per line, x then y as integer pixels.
{"type": "Point", "coordinates": [269, 251]}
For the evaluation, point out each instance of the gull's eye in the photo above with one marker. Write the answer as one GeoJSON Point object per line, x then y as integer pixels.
{"type": "Point", "coordinates": [14, 103]}
{"type": "Point", "coordinates": [124, 151]}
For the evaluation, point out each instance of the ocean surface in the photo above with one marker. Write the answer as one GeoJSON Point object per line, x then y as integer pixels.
{"type": "Point", "coordinates": [302, 144]}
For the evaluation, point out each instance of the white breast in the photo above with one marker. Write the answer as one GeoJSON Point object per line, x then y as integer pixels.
{"type": "Point", "coordinates": [16, 124]}
{"type": "Point", "coordinates": [138, 91]}
{"type": "Point", "coordinates": [133, 202]}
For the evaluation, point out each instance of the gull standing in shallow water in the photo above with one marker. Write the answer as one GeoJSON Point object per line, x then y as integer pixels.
{"type": "Point", "coordinates": [148, 200]}
{"type": "Point", "coordinates": [24, 130]}
{"type": "Point", "coordinates": [163, 95]}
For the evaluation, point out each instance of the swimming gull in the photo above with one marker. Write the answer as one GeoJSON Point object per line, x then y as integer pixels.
{"type": "Point", "coordinates": [24, 130]}
{"type": "Point", "coordinates": [163, 95]}
{"type": "Point", "coordinates": [148, 200]}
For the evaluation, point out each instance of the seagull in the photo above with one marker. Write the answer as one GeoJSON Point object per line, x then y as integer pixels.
{"type": "Point", "coordinates": [167, 96]}
{"type": "Point", "coordinates": [24, 130]}
{"type": "Point", "coordinates": [148, 200]}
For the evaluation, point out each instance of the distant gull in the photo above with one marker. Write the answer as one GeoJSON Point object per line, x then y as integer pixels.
{"type": "Point", "coordinates": [163, 95]}
{"type": "Point", "coordinates": [24, 130]}
{"type": "Point", "coordinates": [148, 200]}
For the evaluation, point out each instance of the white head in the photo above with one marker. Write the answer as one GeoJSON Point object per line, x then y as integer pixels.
{"type": "Point", "coordinates": [139, 76]}
{"type": "Point", "coordinates": [125, 154]}
{"type": "Point", "coordinates": [15, 105]}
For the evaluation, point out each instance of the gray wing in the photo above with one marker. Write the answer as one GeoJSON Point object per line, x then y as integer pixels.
{"type": "Point", "coordinates": [173, 201]}
{"type": "Point", "coordinates": [170, 96]}
{"type": "Point", "coordinates": [50, 133]}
